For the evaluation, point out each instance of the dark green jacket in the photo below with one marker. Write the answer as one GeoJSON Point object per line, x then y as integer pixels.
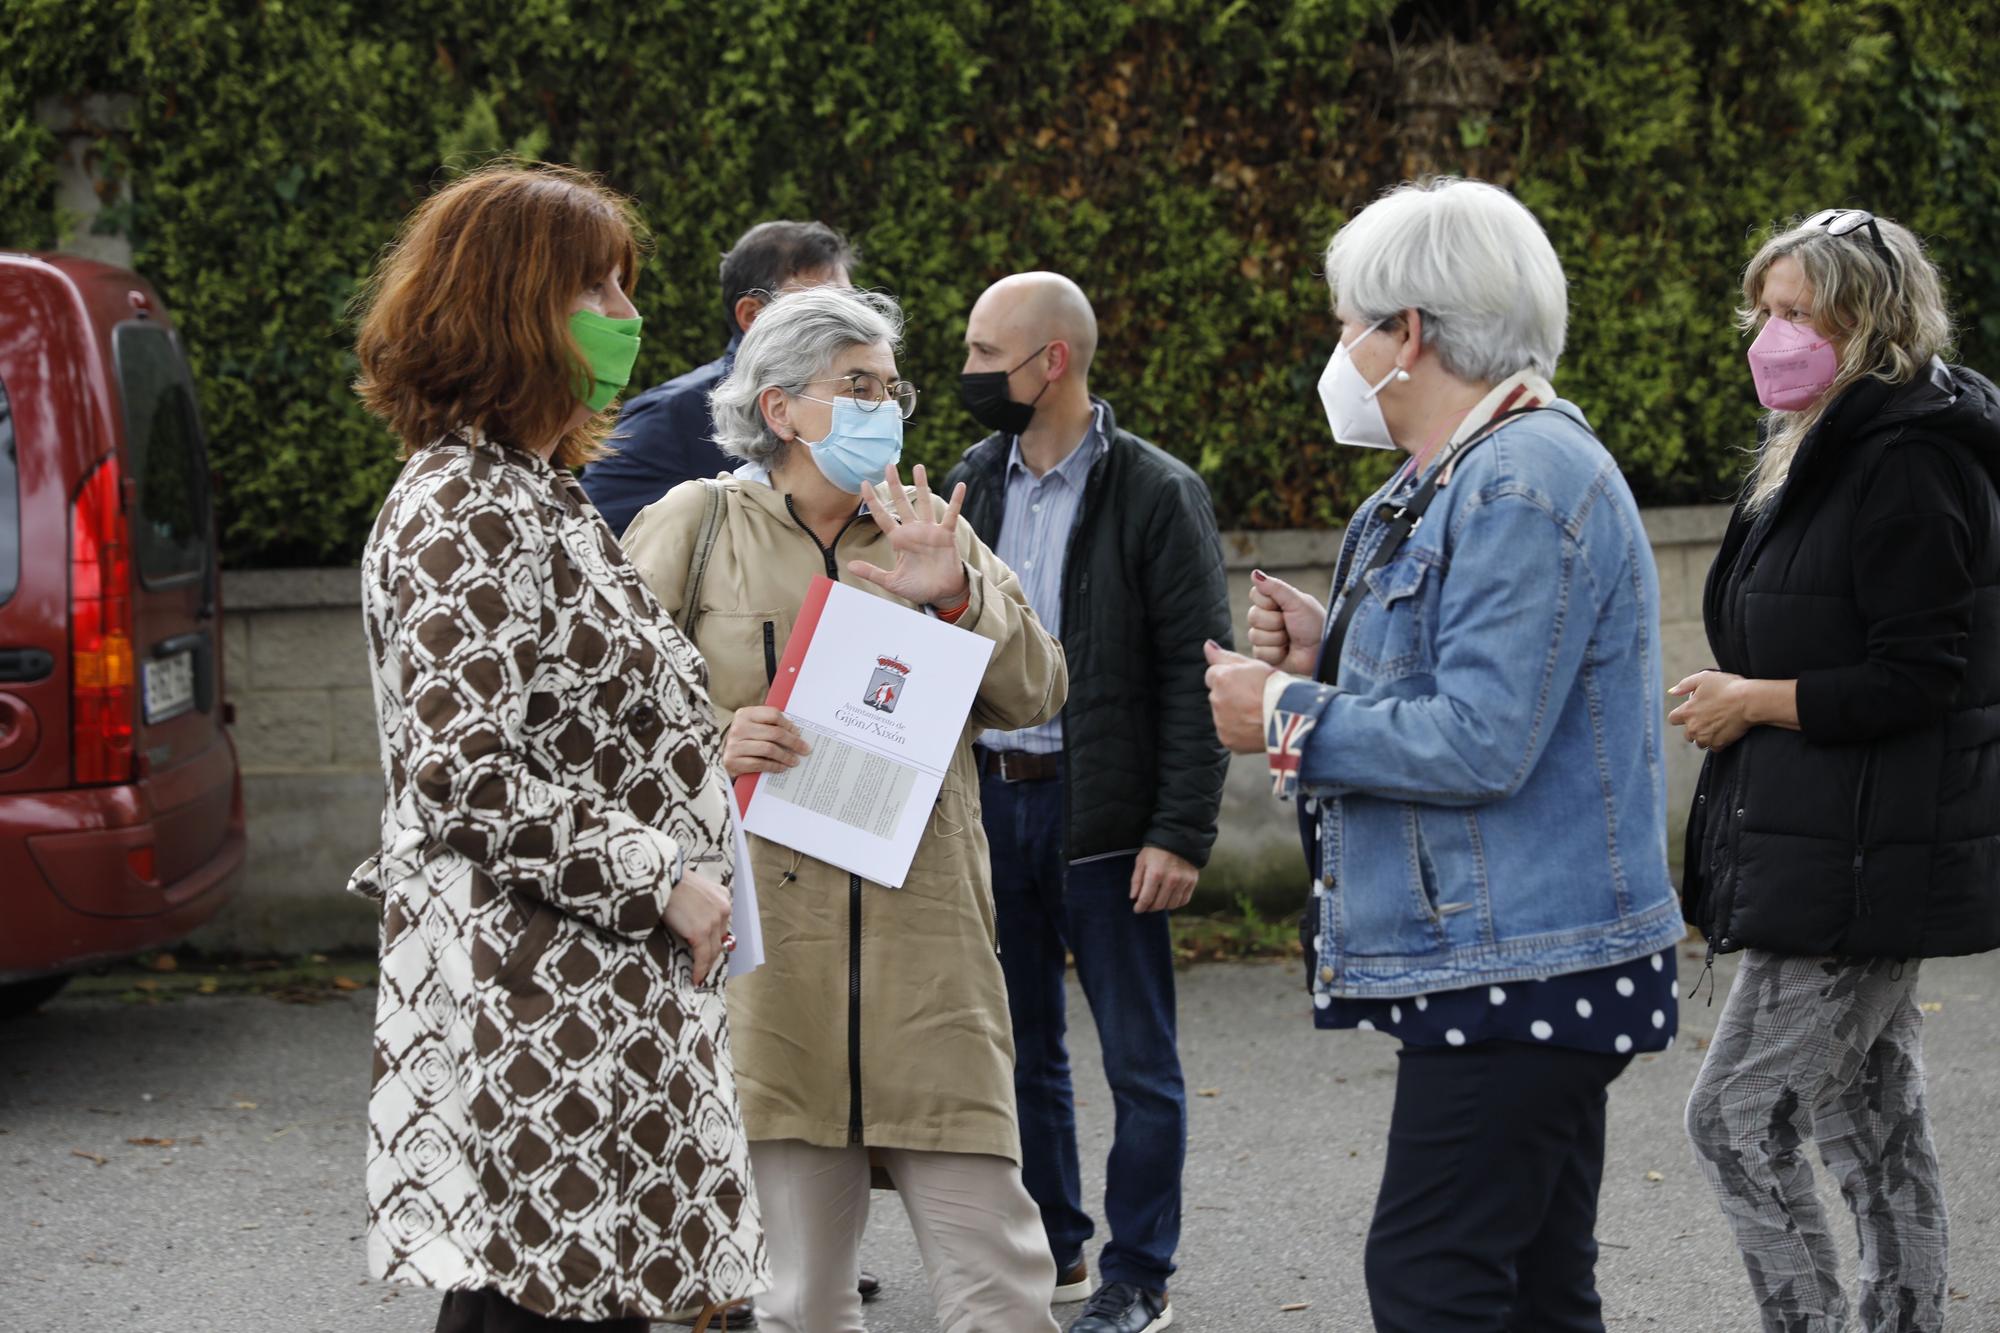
{"type": "Point", "coordinates": [1143, 586]}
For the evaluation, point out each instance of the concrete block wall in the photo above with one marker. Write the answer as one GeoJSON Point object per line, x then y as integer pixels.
{"type": "Point", "coordinates": [295, 665]}
{"type": "Point", "coordinates": [296, 668]}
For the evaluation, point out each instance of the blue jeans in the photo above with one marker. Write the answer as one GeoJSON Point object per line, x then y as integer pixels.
{"type": "Point", "coordinates": [1048, 908]}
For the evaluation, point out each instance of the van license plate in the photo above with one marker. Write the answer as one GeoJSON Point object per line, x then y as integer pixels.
{"type": "Point", "coordinates": [169, 683]}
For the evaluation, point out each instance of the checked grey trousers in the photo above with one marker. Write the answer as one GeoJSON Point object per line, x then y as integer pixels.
{"type": "Point", "coordinates": [1830, 1051]}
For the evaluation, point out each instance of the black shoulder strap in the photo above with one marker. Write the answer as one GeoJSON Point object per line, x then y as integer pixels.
{"type": "Point", "coordinates": [1403, 520]}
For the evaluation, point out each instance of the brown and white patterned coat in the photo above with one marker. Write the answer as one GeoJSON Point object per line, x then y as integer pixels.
{"type": "Point", "coordinates": [554, 1111]}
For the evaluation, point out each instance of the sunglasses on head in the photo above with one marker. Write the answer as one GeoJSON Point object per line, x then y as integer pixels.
{"type": "Point", "coordinates": [1846, 221]}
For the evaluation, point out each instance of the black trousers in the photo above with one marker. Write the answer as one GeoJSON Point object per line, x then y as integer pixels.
{"type": "Point", "coordinates": [1488, 1211]}
{"type": "Point", "coordinates": [489, 1312]}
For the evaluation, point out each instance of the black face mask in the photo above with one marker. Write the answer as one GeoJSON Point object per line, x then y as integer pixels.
{"type": "Point", "coordinates": [991, 402]}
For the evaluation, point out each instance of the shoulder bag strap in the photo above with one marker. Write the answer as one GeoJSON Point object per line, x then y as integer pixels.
{"type": "Point", "coordinates": [704, 545]}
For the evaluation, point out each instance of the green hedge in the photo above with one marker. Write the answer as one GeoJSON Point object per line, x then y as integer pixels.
{"type": "Point", "coordinates": [1186, 162]}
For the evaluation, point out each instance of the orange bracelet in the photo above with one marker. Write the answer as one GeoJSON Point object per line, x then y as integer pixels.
{"type": "Point", "coordinates": [951, 617]}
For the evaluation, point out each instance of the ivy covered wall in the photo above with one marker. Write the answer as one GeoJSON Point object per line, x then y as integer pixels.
{"type": "Point", "coordinates": [1185, 162]}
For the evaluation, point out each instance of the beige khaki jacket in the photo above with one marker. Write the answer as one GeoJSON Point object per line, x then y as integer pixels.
{"type": "Point", "coordinates": [879, 1015]}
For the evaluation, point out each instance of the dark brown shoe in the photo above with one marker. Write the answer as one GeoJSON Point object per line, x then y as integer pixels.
{"type": "Point", "coordinates": [720, 1318]}
{"type": "Point", "coordinates": [1073, 1284]}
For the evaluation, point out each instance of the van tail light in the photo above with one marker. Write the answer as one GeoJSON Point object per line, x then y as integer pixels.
{"type": "Point", "coordinates": [100, 619]}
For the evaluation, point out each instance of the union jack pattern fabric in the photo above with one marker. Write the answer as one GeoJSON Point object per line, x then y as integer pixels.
{"type": "Point", "coordinates": [1286, 726]}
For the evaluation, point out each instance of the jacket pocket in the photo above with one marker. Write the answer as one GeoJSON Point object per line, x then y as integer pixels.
{"type": "Point", "coordinates": [1427, 874]}
{"type": "Point", "coordinates": [1864, 790]}
{"type": "Point", "coordinates": [742, 651]}
{"type": "Point", "coordinates": [1382, 903]}
{"type": "Point", "coordinates": [537, 934]}
{"type": "Point", "coordinates": [1391, 632]}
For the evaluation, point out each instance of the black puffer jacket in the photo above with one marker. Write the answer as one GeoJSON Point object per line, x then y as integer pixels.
{"type": "Point", "coordinates": [1874, 581]}
{"type": "Point", "coordinates": [1143, 585]}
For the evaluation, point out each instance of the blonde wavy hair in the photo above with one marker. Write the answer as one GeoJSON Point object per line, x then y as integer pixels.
{"type": "Point", "coordinates": [1887, 322]}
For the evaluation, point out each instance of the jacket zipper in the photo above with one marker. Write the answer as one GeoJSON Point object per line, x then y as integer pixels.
{"type": "Point", "coordinates": [1723, 906]}
{"type": "Point", "coordinates": [1861, 792]}
{"type": "Point", "coordinates": [1722, 892]}
{"type": "Point", "coordinates": [853, 881]}
{"type": "Point", "coordinates": [1073, 589]}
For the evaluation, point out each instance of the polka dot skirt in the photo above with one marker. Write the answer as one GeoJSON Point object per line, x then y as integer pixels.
{"type": "Point", "coordinates": [1622, 1009]}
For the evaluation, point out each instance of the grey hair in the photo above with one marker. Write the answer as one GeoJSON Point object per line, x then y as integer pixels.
{"type": "Point", "coordinates": [1473, 260]}
{"type": "Point", "coordinates": [794, 340]}
{"type": "Point", "coordinates": [1890, 321]}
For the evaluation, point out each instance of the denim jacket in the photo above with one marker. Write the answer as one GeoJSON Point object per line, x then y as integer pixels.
{"type": "Point", "coordinates": [1485, 784]}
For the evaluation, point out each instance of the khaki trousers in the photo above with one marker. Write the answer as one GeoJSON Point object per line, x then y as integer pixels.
{"type": "Point", "coordinates": [978, 1232]}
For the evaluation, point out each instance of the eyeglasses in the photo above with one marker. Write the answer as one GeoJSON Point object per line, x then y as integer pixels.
{"type": "Point", "coordinates": [1846, 221]}
{"type": "Point", "coordinates": [869, 392]}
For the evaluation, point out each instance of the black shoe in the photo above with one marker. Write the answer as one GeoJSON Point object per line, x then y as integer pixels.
{"type": "Point", "coordinates": [1121, 1307]}
{"type": "Point", "coordinates": [871, 1286]}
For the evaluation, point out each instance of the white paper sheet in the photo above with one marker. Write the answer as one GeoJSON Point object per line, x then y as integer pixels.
{"type": "Point", "coordinates": [743, 919]}
{"type": "Point", "coordinates": [882, 694]}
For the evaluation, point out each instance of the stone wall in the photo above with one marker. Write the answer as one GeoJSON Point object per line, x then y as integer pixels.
{"type": "Point", "coordinates": [296, 670]}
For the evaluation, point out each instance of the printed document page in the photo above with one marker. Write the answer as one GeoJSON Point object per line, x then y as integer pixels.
{"type": "Point", "coordinates": [881, 694]}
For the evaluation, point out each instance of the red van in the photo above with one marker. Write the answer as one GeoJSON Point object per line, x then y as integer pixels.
{"type": "Point", "coordinates": [121, 808]}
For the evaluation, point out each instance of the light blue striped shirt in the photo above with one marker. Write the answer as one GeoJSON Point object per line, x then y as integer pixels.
{"type": "Point", "coordinates": [1035, 530]}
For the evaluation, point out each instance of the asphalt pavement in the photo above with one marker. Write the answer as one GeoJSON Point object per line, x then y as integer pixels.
{"type": "Point", "coordinates": [195, 1167]}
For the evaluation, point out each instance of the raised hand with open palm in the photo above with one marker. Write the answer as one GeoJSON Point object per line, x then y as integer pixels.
{"type": "Point", "coordinates": [929, 570]}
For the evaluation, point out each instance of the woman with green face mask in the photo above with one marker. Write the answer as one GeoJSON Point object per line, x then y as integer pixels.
{"type": "Point", "coordinates": [555, 1139]}
{"type": "Point", "coordinates": [608, 340]}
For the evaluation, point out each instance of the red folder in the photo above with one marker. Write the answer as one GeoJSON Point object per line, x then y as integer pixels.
{"type": "Point", "coordinates": [788, 669]}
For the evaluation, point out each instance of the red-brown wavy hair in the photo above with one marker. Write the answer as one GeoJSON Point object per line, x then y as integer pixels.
{"type": "Point", "coordinates": [465, 322]}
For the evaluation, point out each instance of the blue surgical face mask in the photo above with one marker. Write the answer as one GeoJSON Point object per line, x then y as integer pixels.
{"type": "Point", "coordinates": [861, 444]}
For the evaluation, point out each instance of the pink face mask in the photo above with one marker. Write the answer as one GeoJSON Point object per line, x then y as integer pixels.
{"type": "Point", "coordinates": [1792, 365]}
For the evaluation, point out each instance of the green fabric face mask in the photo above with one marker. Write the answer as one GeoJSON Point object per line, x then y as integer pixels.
{"type": "Point", "coordinates": [610, 346]}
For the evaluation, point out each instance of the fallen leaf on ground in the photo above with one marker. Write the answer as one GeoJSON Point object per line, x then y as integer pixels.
{"type": "Point", "coordinates": [90, 1157]}
{"type": "Point", "coordinates": [1654, 1176]}
{"type": "Point", "coordinates": [346, 983]}
{"type": "Point", "coordinates": [1208, 1092]}
{"type": "Point", "coordinates": [1932, 1006]}
{"type": "Point", "coordinates": [164, 962]}
{"type": "Point", "coordinates": [151, 1143]}
{"type": "Point", "coordinates": [1290, 1306]}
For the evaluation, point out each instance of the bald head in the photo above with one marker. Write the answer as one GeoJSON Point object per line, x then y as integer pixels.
{"type": "Point", "coordinates": [1026, 311]}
